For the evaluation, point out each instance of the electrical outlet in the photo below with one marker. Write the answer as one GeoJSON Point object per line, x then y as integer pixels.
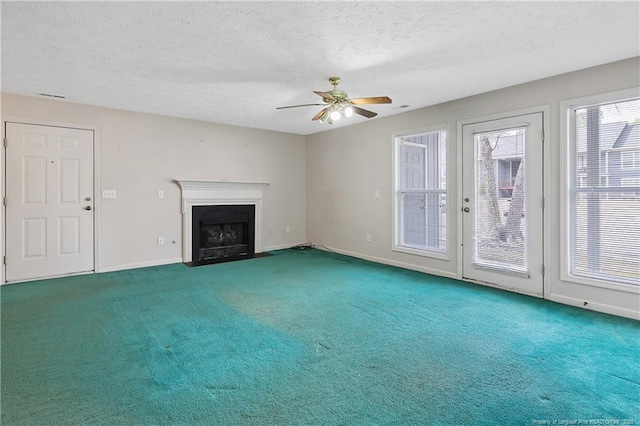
{"type": "Point", "coordinates": [368, 238]}
{"type": "Point", "coordinates": [376, 194]}
{"type": "Point", "coordinates": [108, 193]}
{"type": "Point", "coordinates": [160, 241]}
{"type": "Point", "coordinates": [287, 229]}
{"type": "Point", "coordinates": [160, 194]}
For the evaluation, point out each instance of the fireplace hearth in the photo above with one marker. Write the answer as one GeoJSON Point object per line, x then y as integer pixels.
{"type": "Point", "coordinates": [222, 233]}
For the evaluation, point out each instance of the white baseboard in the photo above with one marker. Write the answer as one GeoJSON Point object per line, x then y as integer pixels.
{"type": "Point", "coordinates": [499, 287]}
{"type": "Point", "coordinates": [47, 278]}
{"type": "Point", "coordinates": [138, 265]}
{"type": "Point", "coordinates": [174, 260]}
{"type": "Point", "coordinates": [403, 265]}
{"type": "Point", "coordinates": [281, 247]}
{"type": "Point", "coordinates": [595, 306]}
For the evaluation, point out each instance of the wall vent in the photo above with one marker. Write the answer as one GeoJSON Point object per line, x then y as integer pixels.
{"type": "Point", "coordinates": [49, 95]}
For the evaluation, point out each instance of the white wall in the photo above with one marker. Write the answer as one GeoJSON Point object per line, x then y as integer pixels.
{"type": "Point", "coordinates": [346, 166]}
{"type": "Point", "coordinates": [139, 154]}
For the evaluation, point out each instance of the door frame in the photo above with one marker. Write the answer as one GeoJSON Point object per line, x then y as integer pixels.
{"type": "Point", "coordinates": [545, 110]}
{"type": "Point", "coordinates": [96, 187]}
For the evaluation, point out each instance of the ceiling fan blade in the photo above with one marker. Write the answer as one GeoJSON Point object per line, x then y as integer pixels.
{"type": "Point", "coordinates": [325, 95]}
{"type": "Point", "coordinates": [296, 106]}
{"type": "Point", "coordinates": [318, 115]}
{"type": "Point", "coordinates": [364, 112]}
{"type": "Point", "coordinates": [372, 100]}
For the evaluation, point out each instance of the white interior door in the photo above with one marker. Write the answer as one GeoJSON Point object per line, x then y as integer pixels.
{"type": "Point", "coordinates": [503, 203]}
{"type": "Point", "coordinates": [413, 209]}
{"type": "Point", "coordinates": [49, 210]}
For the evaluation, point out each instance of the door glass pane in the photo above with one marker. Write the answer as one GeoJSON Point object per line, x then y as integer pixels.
{"type": "Point", "coordinates": [500, 221]}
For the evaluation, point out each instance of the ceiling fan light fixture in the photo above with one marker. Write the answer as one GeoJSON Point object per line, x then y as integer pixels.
{"type": "Point", "coordinates": [337, 103]}
{"type": "Point", "coordinates": [324, 117]}
{"type": "Point", "coordinates": [348, 111]}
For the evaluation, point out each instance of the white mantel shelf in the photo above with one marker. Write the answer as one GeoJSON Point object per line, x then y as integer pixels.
{"type": "Point", "coordinates": [219, 184]}
{"type": "Point", "coordinates": [218, 192]}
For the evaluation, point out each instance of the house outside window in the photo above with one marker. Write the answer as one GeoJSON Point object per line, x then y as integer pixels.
{"type": "Point", "coordinates": [604, 182]}
{"type": "Point", "coordinates": [507, 172]}
{"type": "Point", "coordinates": [631, 183]}
{"type": "Point", "coordinates": [421, 193]}
{"type": "Point", "coordinates": [604, 214]}
{"type": "Point", "coordinates": [582, 163]}
{"type": "Point", "coordinates": [630, 159]}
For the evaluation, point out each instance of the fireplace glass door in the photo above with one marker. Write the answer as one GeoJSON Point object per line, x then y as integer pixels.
{"type": "Point", "coordinates": [223, 233]}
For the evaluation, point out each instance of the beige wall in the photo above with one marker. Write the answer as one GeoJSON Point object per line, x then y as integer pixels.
{"type": "Point", "coordinates": [139, 154]}
{"type": "Point", "coordinates": [322, 185]}
{"type": "Point", "coordinates": [346, 166]}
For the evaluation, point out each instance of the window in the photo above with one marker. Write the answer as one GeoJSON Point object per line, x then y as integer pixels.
{"type": "Point", "coordinates": [630, 159]}
{"type": "Point", "coordinates": [604, 216]}
{"type": "Point", "coordinates": [507, 172]}
{"type": "Point", "coordinates": [604, 182]}
{"type": "Point", "coordinates": [421, 196]}
{"type": "Point", "coordinates": [631, 183]}
{"type": "Point", "coordinates": [582, 164]}
{"type": "Point", "coordinates": [604, 163]}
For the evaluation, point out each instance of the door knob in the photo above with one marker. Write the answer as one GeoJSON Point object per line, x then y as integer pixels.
{"type": "Point", "coordinates": [466, 210]}
{"type": "Point", "coordinates": [88, 208]}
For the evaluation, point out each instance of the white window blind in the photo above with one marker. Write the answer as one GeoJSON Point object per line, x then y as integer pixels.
{"type": "Point", "coordinates": [422, 196]}
{"type": "Point", "coordinates": [604, 214]}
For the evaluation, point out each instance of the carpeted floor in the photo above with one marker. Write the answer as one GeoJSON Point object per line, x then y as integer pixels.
{"type": "Point", "coordinates": [306, 338]}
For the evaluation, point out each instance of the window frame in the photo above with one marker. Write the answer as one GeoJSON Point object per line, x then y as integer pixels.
{"type": "Point", "coordinates": [397, 193]}
{"type": "Point", "coordinates": [567, 170]}
{"type": "Point", "coordinates": [635, 159]}
{"type": "Point", "coordinates": [635, 184]}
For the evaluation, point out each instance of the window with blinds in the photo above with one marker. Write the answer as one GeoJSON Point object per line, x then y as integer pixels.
{"type": "Point", "coordinates": [604, 178]}
{"type": "Point", "coordinates": [421, 212]}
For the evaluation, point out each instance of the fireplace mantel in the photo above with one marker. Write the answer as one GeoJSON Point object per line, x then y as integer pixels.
{"type": "Point", "coordinates": [206, 185]}
{"type": "Point", "coordinates": [218, 192]}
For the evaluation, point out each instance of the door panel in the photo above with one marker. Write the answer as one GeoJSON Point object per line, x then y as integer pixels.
{"type": "Point", "coordinates": [69, 180]}
{"type": "Point", "coordinates": [413, 213]}
{"type": "Point", "coordinates": [35, 178]}
{"type": "Point", "coordinates": [49, 213]}
{"type": "Point", "coordinates": [35, 237]}
{"type": "Point", "coordinates": [69, 238]}
{"type": "Point", "coordinates": [502, 203]}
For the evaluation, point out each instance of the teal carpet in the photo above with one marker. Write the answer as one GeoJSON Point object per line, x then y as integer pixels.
{"type": "Point", "coordinates": [307, 338]}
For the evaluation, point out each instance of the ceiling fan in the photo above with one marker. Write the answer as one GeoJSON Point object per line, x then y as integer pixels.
{"type": "Point", "coordinates": [338, 104]}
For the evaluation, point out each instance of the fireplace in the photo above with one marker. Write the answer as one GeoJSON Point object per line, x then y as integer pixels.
{"type": "Point", "coordinates": [240, 219]}
{"type": "Point", "coordinates": [222, 233]}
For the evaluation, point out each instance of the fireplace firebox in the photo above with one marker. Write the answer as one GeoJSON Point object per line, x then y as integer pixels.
{"type": "Point", "coordinates": [222, 233]}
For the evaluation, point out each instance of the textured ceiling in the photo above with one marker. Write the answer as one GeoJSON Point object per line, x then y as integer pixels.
{"type": "Point", "coordinates": [235, 62]}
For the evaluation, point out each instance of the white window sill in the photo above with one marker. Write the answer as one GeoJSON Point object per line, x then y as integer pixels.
{"type": "Point", "coordinates": [420, 252]}
{"type": "Point", "coordinates": [601, 283]}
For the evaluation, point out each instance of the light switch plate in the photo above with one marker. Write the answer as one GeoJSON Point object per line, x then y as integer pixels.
{"type": "Point", "coordinates": [108, 193]}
